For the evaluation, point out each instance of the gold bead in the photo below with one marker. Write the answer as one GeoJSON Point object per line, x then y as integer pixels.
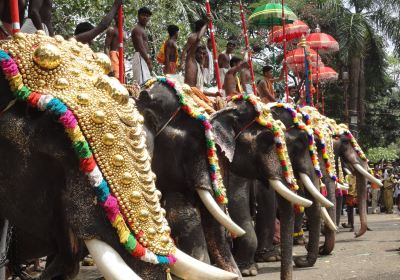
{"type": "Point", "coordinates": [135, 198]}
{"type": "Point", "coordinates": [59, 38]}
{"type": "Point", "coordinates": [19, 36]}
{"type": "Point", "coordinates": [40, 32]}
{"type": "Point", "coordinates": [41, 83]}
{"type": "Point", "coordinates": [83, 98]}
{"type": "Point", "coordinates": [118, 160]}
{"type": "Point", "coordinates": [158, 194]}
{"type": "Point", "coordinates": [98, 117]}
{"type": "Point", "coordinates": [167, 229]}
{"type": "Point", "coordinates": [151, 232]}
{"type": "Point", "coordinates": [127, 178]}
{"type": "Point", "coordinates": [72, 40]}
{"type": "Point", "coordinates": [163, 212]}
{"type": "Point", "coordinates": [144, 215]}
{"type": "Point", "coordinates": [104, 62]}
{"type": "Point", "coordinates": [47, 56]}
{"type": "Point", "coordinates": [165, 240]}
{"type": "Point", "coordinates": [109, 139]}
{"type": "Point", "coordinates": [61, 83]}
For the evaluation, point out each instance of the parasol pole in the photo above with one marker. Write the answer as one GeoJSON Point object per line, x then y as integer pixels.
{"type": "Point", "coordinates": [317, 80]}
{"type": "Point", "coordinates": [284, 52]}
{"type": "Point", "coordinates": [246, 38]}
{"type": "Point", "coordinates": [121, 45]}
{"type": "Point", "coordinates": [15, 16]}
{"type": "Point", "coordinates": [323, 102]}
{"type": "Point", "coordinates": [214, 46]}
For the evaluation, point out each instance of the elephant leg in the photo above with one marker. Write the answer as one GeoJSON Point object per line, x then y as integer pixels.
{"type": "Point", "coordinates": [265, 224]}
{"type": "Point", "coordinates": [330, 235]}
{"type": "Point", "coordinates": [298, 235]}
{"type": "Point", "coordinates": [186, 228]}
{"type": "Point", "coordinates": [339, 208]}
{"type": "Point", "coordinates": [244, 247]}
{"type": "Point", "coordinates": [286, 215]}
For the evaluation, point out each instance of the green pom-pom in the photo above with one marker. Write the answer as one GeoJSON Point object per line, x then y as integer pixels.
{"type": "Point", "coordinates": [130, 245]}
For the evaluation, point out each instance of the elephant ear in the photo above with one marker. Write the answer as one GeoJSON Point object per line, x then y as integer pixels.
{"type": "Point", "coordinates": [224, 133]}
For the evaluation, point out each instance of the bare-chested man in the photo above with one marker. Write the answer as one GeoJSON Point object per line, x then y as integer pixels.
{"type": "Point", "coordinates": [5, 16]}
{"type": "Point", "coordinates": [39, 17]}
{"type": "Point", "coordinates": [171, 56]}
{"type": "Point", "coordinates": [194, 39]}
{"type": "Point", "coordinates": [246, 81]}
{"type": "Point", "coordinates": [195, 58]}
{"type": "Point", "coordinates": [111, 47]}
{"type": "Point", "coordinates": [85, 32]}
{"type": "Point", "coordinates": [142, 64]}
{"type": "Point", "coordinates": [224, 59]}
{"type": "Point", "coordinates": [232, 84]}
{"type": "Point", "coordinates": [266, 86]}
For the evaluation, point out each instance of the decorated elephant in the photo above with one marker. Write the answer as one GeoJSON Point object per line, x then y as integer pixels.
{"type": "Point", "coordinates": [255, 147]}
{"type": "Point", "coordinates": [108, 198]}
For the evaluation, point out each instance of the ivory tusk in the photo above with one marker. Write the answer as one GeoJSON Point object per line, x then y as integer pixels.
{"type": "Point", "coordinates": [348, 172]}
{"type": "Point", "coordinates": [109, 262]}
{"type": "Point", "coordinates": [312, 189]}
{"type": "Point", "coordinates": [218, 214]}
{"type": "Point", "coordinates": [366, 174]}
{"type": "Point", "coordinates": [343, 186]}
{"type": "Point", "coordinates": [327, 219]}
{"type": "Point", "coordinates": [189, 268]}
{"type": "Point", "coordinates": [290, 196]}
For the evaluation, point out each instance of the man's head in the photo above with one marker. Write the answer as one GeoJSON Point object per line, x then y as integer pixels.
{"type": "Point", "coordinates": [209, 44]}
{"type": "Point", "coordinates": [267, 71]}
{"type": "Point", "coordinates": [144, 15]}
{"type": "Point", "coordinates": [292, 90]}
{"type": "Point", "coordinates": [235, 61]}
{"type": "Point", "coordinates": [201, 53]}
{"type": "Point", "coordinates": [173, 31]}
{"type": "Point", "coordinates": [83, 27]}
{"type": "Point", "coordinates": [199, 24]}
{"type": "Point", "coordinates": [230, 46]}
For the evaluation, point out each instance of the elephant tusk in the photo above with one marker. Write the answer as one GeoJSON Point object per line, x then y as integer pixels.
{"type": "Point", "coordinates": [313, 190]}
{"type": "Point", "coordinates": [109, 262]}
{"type": "Point", "coordinates": [366, 174]}
{"type": "Point", "coordinates": [343, 186]}
{"type": "Point", "coordinates": [327, 219]}
{"type": "Point", "coordinates": [290, 196]}
{"type": "Point", "coordinates": [348, 172]}
{"type": "Point", "coordinates": [218, 214]}
{"type": "Point", "coordinates": [189, 268]}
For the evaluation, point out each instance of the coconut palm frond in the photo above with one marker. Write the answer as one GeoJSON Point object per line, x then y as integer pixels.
{"type": "Point", "coordinates": [375, 55]}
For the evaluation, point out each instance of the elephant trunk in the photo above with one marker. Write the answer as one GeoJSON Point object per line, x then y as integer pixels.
{"type": "Point", "coordinates": [330, 228]}
{"type": "Point", "coordinates": [361, 183]}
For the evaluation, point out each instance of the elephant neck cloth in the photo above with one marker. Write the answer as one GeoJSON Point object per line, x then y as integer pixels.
{"type": "Point", "coordinates": [68, 80]}
{"type": "Point", "coordinates": [187, 102]}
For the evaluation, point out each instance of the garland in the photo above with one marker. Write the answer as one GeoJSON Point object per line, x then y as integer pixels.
{"type": "Point", "coordinates": [46, 102]}
{"type": "Point", "coordinates": [353, 143]}
{"type": "Point", "coordinates": [311, 143]}
{"type": "Point", "coordinates": [215, 175]}
{"type": "Point", "coordinates": [264, 120]}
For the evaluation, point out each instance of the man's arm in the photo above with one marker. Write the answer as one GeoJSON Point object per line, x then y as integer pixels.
{"type": "Point", "coordinates": [88, 36]}
{"type": "Point", "coordinates": [281, 76]}
{"type": "Point", "coordinates": [191, 49]}
{"type": "Point", "coordinates": [34, 13]}
{"type": "Point", "coordinates": [108, 41]}
{"type": "Point", "coordinates": [237, 68]}
{"type": "Point", "coordinates": [45, 14]}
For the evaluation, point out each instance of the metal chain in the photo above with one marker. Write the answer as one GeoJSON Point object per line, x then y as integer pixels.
{"type": "Point", "coordinates": [3, 257]}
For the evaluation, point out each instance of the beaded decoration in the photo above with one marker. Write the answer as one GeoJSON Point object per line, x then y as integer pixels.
{"type": "Point", "coordinates": [190, 108]}
{"type": "Point", "coordinates": [87, 157]}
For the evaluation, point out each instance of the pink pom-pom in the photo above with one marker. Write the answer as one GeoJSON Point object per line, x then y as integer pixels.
{"type": "Point", "coordinates": [111, 208]}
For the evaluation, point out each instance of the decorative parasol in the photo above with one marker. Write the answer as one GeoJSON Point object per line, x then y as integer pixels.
{"type": "Point", "coordinates": [297, 56]}
{"type": "Point", "coordinates": [293, 31]}
{"type": "Point", "coordinates": [271, 14]}
{"type": "Point", "coordinates": [326, 74]}
{"type": "Point", "coordinates": [14, 11]}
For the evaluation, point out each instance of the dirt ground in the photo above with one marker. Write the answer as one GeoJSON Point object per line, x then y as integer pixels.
{"type": "Point", "coordinates": [372, 256]}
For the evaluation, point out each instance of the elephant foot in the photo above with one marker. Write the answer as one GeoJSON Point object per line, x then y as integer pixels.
{"type": "Point", "coordinates": [268, 255]}
{"type": "Point", "coordinates": [248, 269]}
{"type": "Point", "coordinates": [303, 261]}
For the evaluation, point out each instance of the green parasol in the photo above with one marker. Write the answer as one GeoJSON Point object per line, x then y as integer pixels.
{"type": "Point", "coordinates": [271, 14]}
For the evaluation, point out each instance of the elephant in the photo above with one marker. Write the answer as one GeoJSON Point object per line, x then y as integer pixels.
{"type": "Point", "coordinates": [183, 176]}
{"type": "Point", "coordinates": [44, 193]}
{"type": "Point", "coordinates": [250, 154]}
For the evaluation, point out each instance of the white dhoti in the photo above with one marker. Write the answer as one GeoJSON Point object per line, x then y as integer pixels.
{"type": "Point", "coordinates": [248, 89]}
{"type": "Point", "coordinates": [30, 28]}
{"type": "Point", "coordinates": [141, 72]}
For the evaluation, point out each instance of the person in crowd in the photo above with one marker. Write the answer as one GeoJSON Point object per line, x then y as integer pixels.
{"type": "Point", "coordinates": [265, 87]}
{"type": "Point", "coordinates": [111, 47]}
{"type": "Point", "coordinates": [245, 78]}
{"type": "Point", "coordinates": [388, 190]}
{"type": "Point", "coordinates": [85, 32]}
{"type": "Point", "coordinates": [168, 54]}
{"type": "Point", "coordinates": [375, 190]}
{"type": "Point", "coordinates": [194, 40]}
{"type": "Point", "coordinates": [232, 84]}
{"type": "Point", "coordinates": [142, 65]}
{"type": "Point", "coordinates": [351, 201]}
{"type": "Point", "coordinates": [209, 64]}
{"type": "Point", "coordinates": [224, 59]}
{"type": "Point", "coordinates": [39, 17]}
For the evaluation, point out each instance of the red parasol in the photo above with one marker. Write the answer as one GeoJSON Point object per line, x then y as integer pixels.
{"type": "Point", "coordinates": [321, 42]}
{"type": "Point", "coordinates": [326, 74]}
{"type": "Point", "coordinates": [293, 31]}
{"type": "Point", "coordinates": [297, 56]}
